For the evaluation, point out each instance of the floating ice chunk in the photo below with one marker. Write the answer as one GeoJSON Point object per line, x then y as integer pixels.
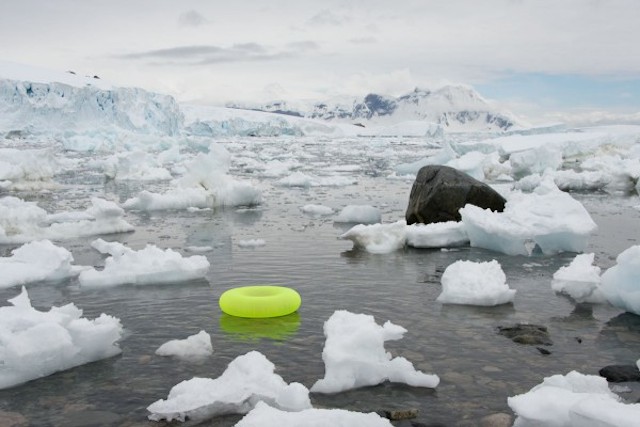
{"type": "Point", "coordinates": [28, 169]}
{"type": "Point", "coordinates": [354, 355]}
{"type": "Point", "coordinates": [475, 283]}
{"type": "Point", "coordinates": [471, 163]}
{"type": "Point", "coordinates": [363, 214]}
{"type": "Point", "coordinates": [378, 238]}
{"type": "Point", "coordinates": [35, 344]}
{"type": "Point", "coordinates": [21, 221]}
{"type": "Point", "coordinates": [621, 283]}
{"type": "Point", "coordinates": [580, 280]}
{"type": "Point", "coordinates": [535, 160]}
{"type": "Point", "coordinates": [548, 218]}
{"type": "Point", "coordinates": [193, 347]}
{"type": "Point", "coordinates": [572, 400]}
{"type": "Point", "coordinates": [437, 235]}
{"type": "Point", "coordinates": [135, 165]}
{"type": "Point", "coordinates": [205, 185]}
{"type": "Point", "coordinates": [37, 261]}
{"type": "Point", "coordinates": [150, 265]}
{"type": "Point", "coordinates": [252, 243]}
{"type": "Point", "coordinates": [317, 210]}
{"type": "Point", "coordinates": [248, 379]}
{"type": "Point", "coordinates": [299, 179]}
{"type": "Point", "coordinates": [264, 415]}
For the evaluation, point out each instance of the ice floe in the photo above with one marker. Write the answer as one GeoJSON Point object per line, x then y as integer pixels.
{"type": "Point", "coordinates": [475, 283]}
{"type": "Point", "coordinates": [580, 280]}
{"type": "Point", "coordinates": [195, 346]}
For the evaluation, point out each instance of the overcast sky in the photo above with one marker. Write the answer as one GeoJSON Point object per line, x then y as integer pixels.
{"type": "Point", "coordinates": [531, 55]}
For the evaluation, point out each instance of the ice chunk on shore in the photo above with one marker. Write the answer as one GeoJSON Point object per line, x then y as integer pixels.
{"type": "Point", "coordinates": [621, 283]}
{"type": "Point", "coordinates": [378, 238]}
{"type": "Point", "coordinates": [548, 219]}
{"type": "Point", "coordinates": [354, 355]}
{"type": "Point", "coordinates": [475, 283]}
{"type": "Point", "coordinates": [580, 280]}
{"type": "Point", "coordinates": [437, 235]}
{"type": "Point", "coordinates": [573, 400]}
{"type": "Point", "coordinates": [22, 222]}
{"type": "Point", "coordinates": [248, 379]}
{"type": "Point", "coordinates": [34, 344]}
{"type": "Point", "coordinates": [193, 347]}
{"type": "Point", "coordinates": [150, 265]}
{"type": "Point", "coordinates": [264, 415]}
{"type": "Point", "coordinates": [362, 214]}
{"type": "Point", "coordinates": [37, 261]}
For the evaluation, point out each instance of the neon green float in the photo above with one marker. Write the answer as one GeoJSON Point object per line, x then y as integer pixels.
{"type": "Point", "coordinates": [260, 301]}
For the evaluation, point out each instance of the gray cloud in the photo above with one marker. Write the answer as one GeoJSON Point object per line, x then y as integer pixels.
{"type": "Point", "coordinates": [210, 54]}
{"type": "Point", "coordinates": [327, 18]}
{"type": "Point", "coordinates": [192, 18]}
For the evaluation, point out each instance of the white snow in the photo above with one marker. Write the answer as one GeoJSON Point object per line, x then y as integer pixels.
{"type": "Point", "coordinates": [548, 219]}
{"type": "Point", "coordinates": [580, 280]}
{"type": "Point", "coordinates": [195, 346]}
{"type": "Point", "coordinates": [573, 400]}
{"type": "Point", "coordinates": [264, 415]}
{"type": "Point", "coordinates": [378, 238]}
{"type": "Point", "coordinates": [437, 235]}
{"type": "Point", "coordinates": [22, 222]}
{"type": "Point", "coordinates": [621, 283]}
{"type": "Point", "coordinates": [363, 214]}
{"type": "Point", "coordinates": [316, 210]}
{"type": "Point", "coordinates": [37, 261]}
{"type": "Point", "coordinates": [150, 265]}
{"type": "Point", "coordinates": [34, 344]}
{"type": "Point", "coordinates": [248, 379]}
{"type": "Point", "coordinates": [251, 243]}
{"type": "Point", "coordinates": [354, 355]}
{"type": "Point", "coordinates": [475, 283]}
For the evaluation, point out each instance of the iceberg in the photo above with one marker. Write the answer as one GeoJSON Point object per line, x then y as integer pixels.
{"type": "Point", "coordinates": [193, 347]}
{"type": "Point", "coordinates": [621, 284]}
{"type": "Point", "coordinates": [34, 344]}
{"type": "Point", "coordinates": [580, 280]}
{"type": "Point", "coordinates": [378, 238]}
{"type": "Point", "coordinates": [475, 283]}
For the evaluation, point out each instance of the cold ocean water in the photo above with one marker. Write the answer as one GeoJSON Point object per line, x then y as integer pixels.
{"type": "Point", "coordinates": [478, 367]}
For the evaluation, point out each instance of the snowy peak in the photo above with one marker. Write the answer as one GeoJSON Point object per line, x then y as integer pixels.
{"type": "Point", "coordinates": [455, 107]}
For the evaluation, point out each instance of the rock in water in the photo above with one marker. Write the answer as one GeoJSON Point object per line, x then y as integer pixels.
{"type": "Point", "coordinates": [440, 191]}
{"type": "Point", "coordinates": [620, 373]}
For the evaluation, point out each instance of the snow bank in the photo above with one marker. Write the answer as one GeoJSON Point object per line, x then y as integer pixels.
{"type": "Point", "coordinates": [193, 347]}
{"type": "Point", "coordinates": [475, 283]}
{"type": "Point", "coordinates": [362, 214]}
{"type": "Point", "coordinates": [437, 235]}
{"type": "Point", "coordinates": [354, 355]}
{"type": "Point", "coordinates": [206, 184]}
{"type": "Point", "coordinates": [580, 280]}
{"type": "Point", "coordinates": [248, 379]}
{"type": "Point", "coordinates": [150, 265]}
{"type": "Point", "coordinates": [37, 261]}
{"type": "Point", "coordinates": [378, 238]}
{"type": "Point", "coordinates": [621, 283]}
{"type": "Point", "coordinates": [264, 415]}
{"type": "Point", "coordinates": [21, 221]}
{"type": "Point", "coordinates": [548, 219]}
{"type": "Point", "coordinates": [572, 400]}
{"type": "Point", "coordinates": [34, 344]}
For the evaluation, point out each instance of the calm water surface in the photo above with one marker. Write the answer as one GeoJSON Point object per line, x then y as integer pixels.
{"type": "Point", "coordinates": [478, 368]}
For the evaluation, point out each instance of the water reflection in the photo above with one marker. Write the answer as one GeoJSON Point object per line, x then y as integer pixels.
{"type": "Point", "coordinates": [273, 328]}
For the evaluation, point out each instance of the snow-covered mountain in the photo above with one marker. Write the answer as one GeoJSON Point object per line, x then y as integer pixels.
{"type": "Point", "coordinates": [455, 108]}
{"type": "Point", "coordinates": [36, 100]}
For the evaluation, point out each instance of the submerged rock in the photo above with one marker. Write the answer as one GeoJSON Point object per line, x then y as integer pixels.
{"type": "Point", "coordinates": [526, 334]}
{"type": "Point", "coordinates": [440, 191]}
{"type": "Point", "coordinates": [620, 373]}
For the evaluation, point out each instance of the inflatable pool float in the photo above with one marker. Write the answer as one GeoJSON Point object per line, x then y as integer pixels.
{"type": "Point", "coordinates": [260, 301]}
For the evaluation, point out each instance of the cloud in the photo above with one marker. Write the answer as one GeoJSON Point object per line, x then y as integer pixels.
{"type": "Point", "coordinates": [327, 18]}
{"type": "Point", "coordinates": [192, 18]}
{"type": "Point", "coordinates": [363, 40]}
{"type": "Point", "coordinates": [210, 54]}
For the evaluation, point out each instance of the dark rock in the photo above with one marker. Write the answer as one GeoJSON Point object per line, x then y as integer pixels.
{"type": "Point", "coordinates": [526, 334]}
{"type": "Point", "coordinates": [399, 414]}
{"type": "Point", "coordinates": [620, 373]}
{"type": "Point", "coordinates": [543, 350]}
{"type": "Point", "coordinates": [440, 191]}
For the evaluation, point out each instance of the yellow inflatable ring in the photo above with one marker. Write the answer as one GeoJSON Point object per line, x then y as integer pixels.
{"type": "Point", "coordinates": [260, 301]}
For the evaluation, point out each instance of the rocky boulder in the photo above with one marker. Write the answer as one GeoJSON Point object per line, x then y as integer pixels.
{"type": "Point", "coordinates": [440, 191]}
